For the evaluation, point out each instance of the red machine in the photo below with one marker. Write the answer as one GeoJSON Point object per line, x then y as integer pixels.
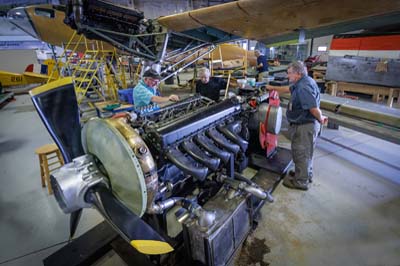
{"type": "Point", "coordinates": [266, 124]}
{"type": "Point", "coordinates": [269, 140]}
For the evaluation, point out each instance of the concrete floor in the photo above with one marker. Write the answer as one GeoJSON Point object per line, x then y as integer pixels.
{"type": "Point", "coordinates": [350, 216]}
{"type": "Point", "coordinates": [32, 225]}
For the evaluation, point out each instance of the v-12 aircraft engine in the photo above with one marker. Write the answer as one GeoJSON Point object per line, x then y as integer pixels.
{"type": "Point", "coordinates": [163, 179]}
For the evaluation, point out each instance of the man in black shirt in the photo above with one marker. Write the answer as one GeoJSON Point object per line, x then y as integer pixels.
{"type": "Point", "coordinates": [209, 86]}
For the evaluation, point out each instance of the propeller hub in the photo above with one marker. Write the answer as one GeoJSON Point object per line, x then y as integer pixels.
{"type": "Point", "coordinates": [72, 181]}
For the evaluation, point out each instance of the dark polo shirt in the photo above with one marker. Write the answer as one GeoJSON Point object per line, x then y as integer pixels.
{"type": "Point", "coordinates": [304, 96]}
{"type": "Point", "coordinates": [211, 89]}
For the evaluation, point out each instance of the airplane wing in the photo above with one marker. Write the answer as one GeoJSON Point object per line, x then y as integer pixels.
{"type": "Point", "coordinates": [271, 21]}
{"type": "Point", "coordinates": [32, 77]}
{"type": "Point", "coordinates": [268, 21]}
{"type": "Point", "coordinates": [46, 23]}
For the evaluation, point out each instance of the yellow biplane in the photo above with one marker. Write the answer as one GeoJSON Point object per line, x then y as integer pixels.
{"type": "Point", "coordinates": [10, 79]}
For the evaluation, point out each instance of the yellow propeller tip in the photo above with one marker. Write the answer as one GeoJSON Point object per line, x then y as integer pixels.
{"type": "Point", "coordinates": [151, 247]}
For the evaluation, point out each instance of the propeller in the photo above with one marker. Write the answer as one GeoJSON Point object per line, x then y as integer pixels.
{"type": "Point", "coordinates": [57, 107]}
{"type": "Point", "coordinates": [73, 222]}
{"type": "Point", "coordinates": [131, 227]}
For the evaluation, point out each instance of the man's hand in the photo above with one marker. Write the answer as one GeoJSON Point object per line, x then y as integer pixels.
{"type": "Point", "coordinates": [316, 112]}
{"type": "Point", "coordinates": [324, 120]}
{"type": "Point", "coordinates": [173, 98]}
{"type": "Point", "coordinates": [269, 88]}
{"type": "Point", "coordinates": [279, 89]}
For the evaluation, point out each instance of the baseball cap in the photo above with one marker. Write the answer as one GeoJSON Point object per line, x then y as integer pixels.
{"type": "Point", "coordinates": [151, 74]}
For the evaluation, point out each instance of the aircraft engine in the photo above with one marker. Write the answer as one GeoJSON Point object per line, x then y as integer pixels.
{"type": "Point", "coordinates": [164, 176]}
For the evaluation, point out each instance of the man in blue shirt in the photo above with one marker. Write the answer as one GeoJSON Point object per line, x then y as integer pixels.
{"type": "Point", "coordinates": [262, 65]}
{"type": "Point", "coordinates": [145, 92]}
{"type": "Point", "coordinates": [304, 116]}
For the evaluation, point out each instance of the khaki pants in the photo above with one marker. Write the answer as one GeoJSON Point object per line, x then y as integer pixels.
{"type": "Point", "coordinates": [303, 139]}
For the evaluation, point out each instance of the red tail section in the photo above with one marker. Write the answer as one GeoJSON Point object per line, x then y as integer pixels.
{"type": "Point", "coordinates": [29, 68]}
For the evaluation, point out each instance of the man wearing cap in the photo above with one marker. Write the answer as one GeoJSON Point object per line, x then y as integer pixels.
{"type": "Point", "coordinates": [146, 93]}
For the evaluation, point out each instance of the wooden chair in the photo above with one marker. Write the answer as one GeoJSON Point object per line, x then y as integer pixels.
{"type": "Point", "coordinates": [50, 159]}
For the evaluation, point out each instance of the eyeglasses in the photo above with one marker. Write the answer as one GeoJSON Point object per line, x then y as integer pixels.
{"type": "Point", "coordinates": [154, 80]}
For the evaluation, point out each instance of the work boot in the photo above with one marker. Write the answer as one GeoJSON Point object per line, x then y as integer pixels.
{"type": "Point", "coordinates": [294, 184]}
{"type": "Point", "coordinates": [310, 178]}
{"type": "Point", "coordinates": [291, 173]}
